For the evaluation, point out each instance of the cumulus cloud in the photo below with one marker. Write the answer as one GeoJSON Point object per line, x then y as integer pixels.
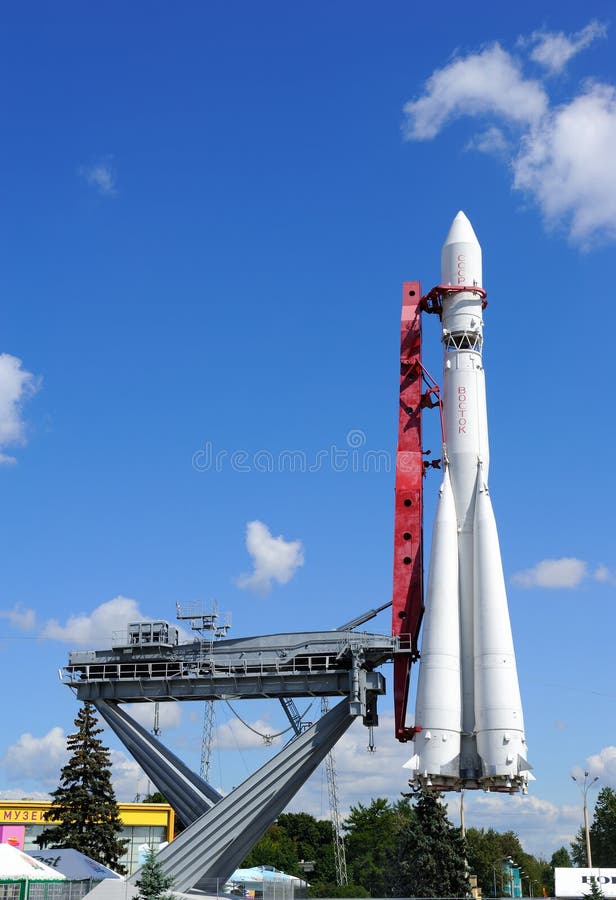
{"type": "Point", "coordinates": [273, 558]}
{"type": "Point", "coordinates": [568, 164]}
{"type": "Point", "coordinates": [126, 776]}
{"type": "Point", "coordinates": [561, 155]}
{"type": "Point", "coordinates": [361, 776]}
{"type": "Point", "coordinates": [23, 794]}
{"type": "Point", "coordinates": [540, 824]}
{"type": "Point", "coordinates": [95, 629]}
{"type": "Point", "coordinates": [567, 572]}
{"type": "Point", "coordinates": [234, 735]}
{"type": "Point", "coordinates": [553, 50]}
{"type": "Point", "coordinates": [487, 82]}
{"type": "Point", "coordinates": [169, 714]}
{"type": "Point", "coordinates": [492, 141]}
{"type": "Point", "coordinates": [38, 759]}
{"type": "Point", "coordinates": [101, 176]}
{"type": "Point", "coordinates": [23, 619]}
{"type": "Point", "coordinates": [604, 575]}
{"type": "Point", "coordinates": [603, 765]}
{"type": "Point", "coordinates": [16, 387]}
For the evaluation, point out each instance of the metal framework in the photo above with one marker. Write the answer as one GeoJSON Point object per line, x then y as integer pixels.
{"type": "Point", "coordinates": [334, 808]}
{"type": "Point", "coordinates": [220, 831]}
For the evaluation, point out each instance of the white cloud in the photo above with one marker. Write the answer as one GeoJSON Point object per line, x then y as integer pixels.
{"type": "Point", "coordinates": [604, 575]}
{"type": "Point", "coordinates": [540, 824]}
{"type": "Point", "coordinates": [96, 629]}
{"type": "Point", "coordinates": [234, 735]}
{"type": "Point", "coordinates": [561, 155]}
{"type": "Point", "coordinates": [492, 141]}
{"type": "Point", "coordinates": [126, 776]}
{"type": "Point", "coordinates": [567, 572]}
{"type": "Point", "coordinates": [23, 619]}
{"type": "Point", "coordinates": [16, 386]}
{"type": "Point", "coordinates": [361, 776]}
{"type": "Point", "coordinates": [602, 764]}
{"type": "Point", "coordinates": [39, 759]}
{"type": "Point", "coordinates": [478, 84]}
{"type": "Point", "coordinates": [23, 794]}
{"type": "Point", "coordinates": [568, 164]}
{"type": "Point", "coordinates": [101, 176]}
{"type": "Point", "coordinates": [553, 50]}
{"type": "Point", "coordinates": [169, 714]}
{"type": "Point", "coordinates": [274, 559]}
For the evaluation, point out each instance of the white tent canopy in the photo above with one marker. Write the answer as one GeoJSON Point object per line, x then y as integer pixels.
{"type": "Point", "coordinates": [15, 864]}
{"type": "Point", "coordinates": [73, 864]}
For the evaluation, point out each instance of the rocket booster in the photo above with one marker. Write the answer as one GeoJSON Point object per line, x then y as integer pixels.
{"type": "Point", "coordinates": [468, 714]}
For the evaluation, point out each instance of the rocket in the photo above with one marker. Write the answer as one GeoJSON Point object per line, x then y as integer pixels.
{"type": "Point", "coordinates": [469, 728]}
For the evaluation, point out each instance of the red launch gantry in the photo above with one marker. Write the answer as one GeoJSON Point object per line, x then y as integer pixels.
{"type": "Point", "coordinates": [407, 601]}
{"type": "Point", "coordinates": [418, 391]}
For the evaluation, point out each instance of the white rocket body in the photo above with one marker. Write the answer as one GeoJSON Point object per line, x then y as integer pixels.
{"type": "Point", "coordinates": [468, 710]}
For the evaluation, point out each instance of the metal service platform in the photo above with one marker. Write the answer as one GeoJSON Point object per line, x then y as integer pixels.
{"type": "Point", "coordinates": [146, 663]}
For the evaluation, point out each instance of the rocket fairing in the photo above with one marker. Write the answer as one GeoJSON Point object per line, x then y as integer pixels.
{"type": "Point", "coordinates": [469, 728]}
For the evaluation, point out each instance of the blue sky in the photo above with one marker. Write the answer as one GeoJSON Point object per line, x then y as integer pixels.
{"type": "Point", "coordinates": [208, 210]}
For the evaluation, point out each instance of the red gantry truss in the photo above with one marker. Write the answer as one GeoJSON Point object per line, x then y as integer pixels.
{"type": "Point", "coordinates": [417, 391]}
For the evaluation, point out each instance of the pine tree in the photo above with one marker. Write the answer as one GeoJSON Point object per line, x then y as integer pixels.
{"type": "Point", "coordinates": [84, 805]}
{"type": "Point", "coordinates": [603, 829]}
{"type": "Point", "coordinates": [430, 854]}
{"type": "Point", "coordinates": [153, 884]}
{"type": "Point", "coordinates": [595, 892]}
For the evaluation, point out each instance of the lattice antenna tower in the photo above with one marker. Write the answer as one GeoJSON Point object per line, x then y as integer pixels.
{"type": "Point", "coordinates": [205, 622]}
{"type": "Point", "coordinates": [334, 810]}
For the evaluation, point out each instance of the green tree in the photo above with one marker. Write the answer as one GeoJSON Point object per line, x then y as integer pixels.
{"type": "Point", "coordinates": [313, 840]}
{"type": "Point", "coordinates": [430, 853]}
{"type": "Point", "coordinates": [578, 849]}
{"type": "Point", "coordinates": [84, 805]}
{"type": "Point", "coordinates": [153, 883]}
{"type": "Point", "coordinates": [561, 859]}
{"type": "Point", "coordinates": [276, 849]}
{"type": "Point", "coordinates": [595, 892]}
{"type": "Point", "coordinates": [603, 829]}
{"type": "Point", "coordinates": [602, 833]}
{"type": "Point", "coordinates": [372, 834]}
{"type": "Point", "coordinates": [487, 851]}
{"type": "Point", "coordinates": [484, 855]}
{"type": "Point", "coordinates": [154, 797]}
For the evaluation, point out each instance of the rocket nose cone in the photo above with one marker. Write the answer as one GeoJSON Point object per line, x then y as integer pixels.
{"type": "Point", "coordinates": [461, 231]}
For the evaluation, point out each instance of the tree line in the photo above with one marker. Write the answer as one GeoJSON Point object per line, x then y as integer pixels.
{"type": "Point", "coordinates": [407, 848]}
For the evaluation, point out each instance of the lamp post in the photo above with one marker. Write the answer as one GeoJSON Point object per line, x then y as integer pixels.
{"type": "Point", "coordinates": [584, 787]}
{"type": "Point", "coordinates": [494, 872]}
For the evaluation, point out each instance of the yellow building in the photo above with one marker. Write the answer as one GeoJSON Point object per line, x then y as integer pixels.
{"type": "Point", "coordinates": [144, 823]}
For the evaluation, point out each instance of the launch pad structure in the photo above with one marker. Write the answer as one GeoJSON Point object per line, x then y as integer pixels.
{"type": "Point", "coordinates": [147, 664]}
